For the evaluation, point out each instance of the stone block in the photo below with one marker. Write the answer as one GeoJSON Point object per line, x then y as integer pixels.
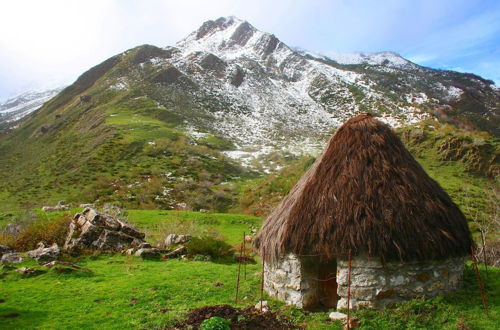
{"type": "Point", "coordinates": [397, 280]}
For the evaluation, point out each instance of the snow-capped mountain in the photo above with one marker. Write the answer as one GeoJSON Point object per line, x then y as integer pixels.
{"type": "Point", "coordinates": [21, 105]}
{"type": "Point", "coordinates": [253, 89]}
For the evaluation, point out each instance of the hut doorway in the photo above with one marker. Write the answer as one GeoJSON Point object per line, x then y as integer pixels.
{"type": "Point", "coordinates": [327, 284]}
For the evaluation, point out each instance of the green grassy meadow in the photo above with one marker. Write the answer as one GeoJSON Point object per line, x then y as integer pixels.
{"type": "Point", "coordinates": [129, 293]}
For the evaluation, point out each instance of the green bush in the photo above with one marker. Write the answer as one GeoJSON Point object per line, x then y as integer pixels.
{"type": "Point", "coordinates": [215, 323]}
{"type": "Point", "coordinates": [49, 231]}
{"type": "Point", "coordinates": [216, 249]}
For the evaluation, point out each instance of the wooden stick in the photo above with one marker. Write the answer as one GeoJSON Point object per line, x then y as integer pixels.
{"type": "Point", "coordinates": [349, 291]}
{"type": "Point", "coordinates": [244, 256]}
{"type": "Point", "coordinates": [262, 279]}
{"type": "Point", "coordinates": [239, 272]}
{"type": "Point", "coordinates": [481, 286]}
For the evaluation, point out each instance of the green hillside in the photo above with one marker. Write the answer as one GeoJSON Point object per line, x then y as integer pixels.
{"type": "Point", "coordinates": [95, 141]}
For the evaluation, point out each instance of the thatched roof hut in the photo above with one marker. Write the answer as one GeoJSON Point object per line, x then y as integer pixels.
{"type": "Point", "coordinates": [366, 193]}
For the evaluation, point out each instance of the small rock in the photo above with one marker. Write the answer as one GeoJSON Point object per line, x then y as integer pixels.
{"type": "Point", "coordinates": [87, 205]}
{"type": "Point", "coordinates": [174, 239]}
{"type": "Point", "coordinates": [146, 253]}
{"type": "Point", "coordinates": [133, 300]}
{"type": "Point", "coordinates": [13, 257]}
{"type": "Point", "coordinates": [218, 284]}
{"type": "Point", "coordinates": [43, 253]}
{"type": "Point", "coordinates": [262, 306]}
{"type": "Point", "coordinates": [175, 253]}
{"type": "Point", "coordinates": [144, 245]}
{"type": "Point", "coordinates": [28, 271]}
{"type": "Point", "coordinates": [334, 316]}
{"type": "Point", "coordinates": [130, 251]}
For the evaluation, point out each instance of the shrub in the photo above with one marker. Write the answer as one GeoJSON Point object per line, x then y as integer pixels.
{"type": "Point", "coordinates": [215, 323]}
{"type": "Point", "coordinates": [216, 249]}
{"type": "Point", "coordinates": [49, 231]}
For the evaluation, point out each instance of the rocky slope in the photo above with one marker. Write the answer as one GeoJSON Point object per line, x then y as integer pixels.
{"type": "Point", "coordinates": [174, 125]}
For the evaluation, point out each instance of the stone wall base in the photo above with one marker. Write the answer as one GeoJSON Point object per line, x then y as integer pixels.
{"type": "Point", "coordinates": [289, 280]}
{"type": "Point", "coordinates": [377, 285]}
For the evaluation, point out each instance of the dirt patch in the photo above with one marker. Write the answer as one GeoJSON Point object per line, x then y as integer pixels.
{"type": "Point", "coordinates": [248, 318]}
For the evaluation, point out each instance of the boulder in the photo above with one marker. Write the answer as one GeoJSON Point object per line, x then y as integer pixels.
{"type": "Point", "coordinates": [91, 230]}
{"type": "Point", "coordinates": [12, 257]}
{"type": "Point", "coordinates": [174, 239]}
{"type": "Point", "coordinates": [43, 253]}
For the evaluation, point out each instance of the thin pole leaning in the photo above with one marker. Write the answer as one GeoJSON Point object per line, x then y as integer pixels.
{"type": "Point", "coordinates": [349, 290]}
{"type": "Point", "coordinates": [239, 272]}
{"type": "Point", "coordinates": [244, 256]}
{"type": "Point", "coordinates": [262, 279]}
{"type": "Point", "coordinates": [481, 286]}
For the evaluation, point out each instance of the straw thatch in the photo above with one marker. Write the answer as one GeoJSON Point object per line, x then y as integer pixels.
{"type": "Point", "coordinates": [366, 193]}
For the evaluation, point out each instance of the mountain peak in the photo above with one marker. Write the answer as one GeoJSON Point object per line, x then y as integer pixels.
{"type": "Point", "coordinates": [222, 23]}
{"type": "Point", "coordinates": [231, 37]}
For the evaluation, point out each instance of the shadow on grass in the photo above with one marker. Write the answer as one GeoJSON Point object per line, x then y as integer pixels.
{"type": "Point", "coordinates": [13, 318]}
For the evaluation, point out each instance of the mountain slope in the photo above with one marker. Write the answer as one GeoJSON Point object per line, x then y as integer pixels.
{"type": "Point", "coordinates": [166, 126]}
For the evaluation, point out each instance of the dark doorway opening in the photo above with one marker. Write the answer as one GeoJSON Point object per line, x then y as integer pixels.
{"type": "Point", "coordinates": [327, 284]}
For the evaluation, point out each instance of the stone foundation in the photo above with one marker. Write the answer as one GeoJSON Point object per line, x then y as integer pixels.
{"type": "Point", "coordinates": [287, 281]}
{"type": "Point", "coordinates": [374, 285]}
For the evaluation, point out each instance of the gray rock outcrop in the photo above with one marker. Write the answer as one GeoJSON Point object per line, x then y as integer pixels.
{"type": "Point", "coordinates": [43, 253]}
{"type": "Point", "coordinates": [174, 239]}
{"type": "Point", "coordinates": [91, 230]}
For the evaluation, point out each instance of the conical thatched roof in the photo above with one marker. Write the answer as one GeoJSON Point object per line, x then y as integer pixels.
{"type": "Point", "coordinates": [366, 193]}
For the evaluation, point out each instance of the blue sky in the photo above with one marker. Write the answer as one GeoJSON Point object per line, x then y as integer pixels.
{"type": "Point", "coordinates": [48, 43]}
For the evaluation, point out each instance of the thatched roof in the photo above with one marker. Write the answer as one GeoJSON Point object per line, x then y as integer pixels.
{"type": "Point", "coordinates": [366, 193]}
